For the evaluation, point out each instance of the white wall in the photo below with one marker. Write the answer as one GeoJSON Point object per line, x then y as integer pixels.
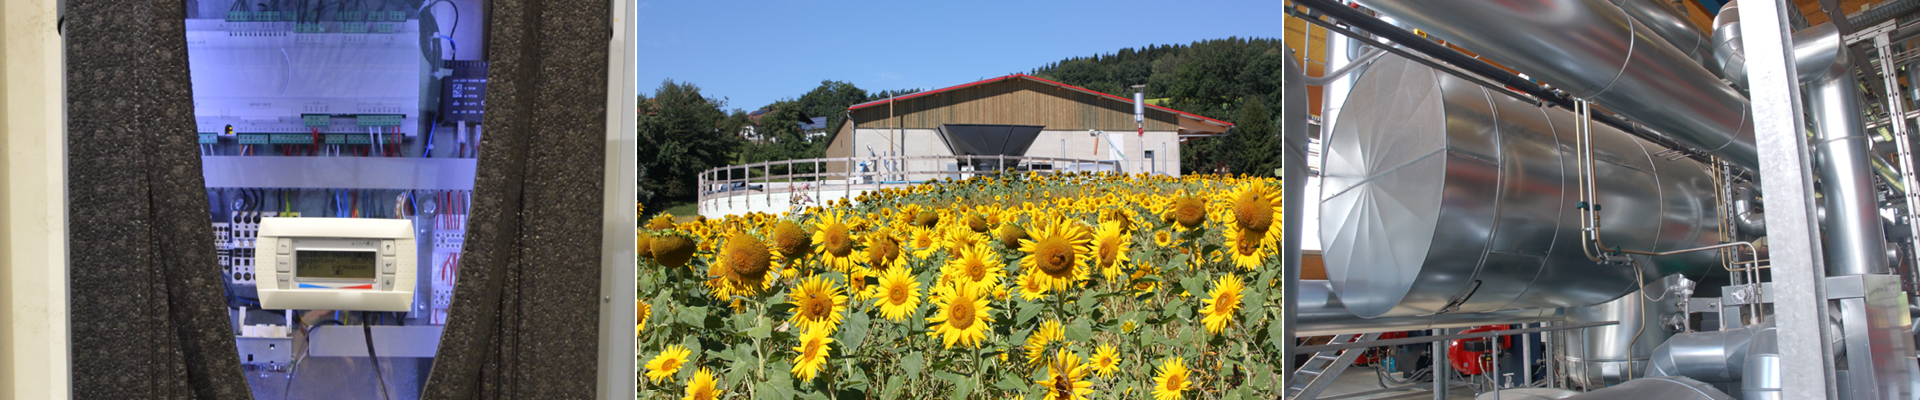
{"type": "Point", "coordinates": [1078, 145]}
{"type": "Point", "coordinates": [33, 261]}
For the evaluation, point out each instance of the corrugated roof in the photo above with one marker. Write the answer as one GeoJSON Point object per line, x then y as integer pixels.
{"type": "Point", "coordinates": [1185, 114]}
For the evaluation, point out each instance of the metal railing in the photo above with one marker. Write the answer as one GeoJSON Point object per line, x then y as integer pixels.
{"type": "Point", "coordinates": [804, 176]}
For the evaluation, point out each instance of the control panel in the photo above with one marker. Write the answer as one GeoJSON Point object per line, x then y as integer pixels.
{"type": "Point", "coordinates": [354, 264]}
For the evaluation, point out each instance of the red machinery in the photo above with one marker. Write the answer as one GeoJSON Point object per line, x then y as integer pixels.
{"type": "Point", "coordinates": [1473, 356]}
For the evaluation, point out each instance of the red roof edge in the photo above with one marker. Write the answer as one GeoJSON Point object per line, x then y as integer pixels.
{"type": "Point", "coordinates": [1035, 78]}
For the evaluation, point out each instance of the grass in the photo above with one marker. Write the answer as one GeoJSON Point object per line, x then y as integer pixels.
{"type": "Point", "coordinates": [683, 212]}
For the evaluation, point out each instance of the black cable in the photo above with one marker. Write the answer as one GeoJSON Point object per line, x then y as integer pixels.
{"type": "Point", "coordinates": [373, 358]}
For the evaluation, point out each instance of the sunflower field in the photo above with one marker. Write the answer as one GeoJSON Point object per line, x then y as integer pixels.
{"type": "Point", "coordinates": [1058, 286]}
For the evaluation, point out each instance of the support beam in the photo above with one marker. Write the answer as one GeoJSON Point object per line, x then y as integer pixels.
{"type": "Point", "coordinates": [1786, 176]}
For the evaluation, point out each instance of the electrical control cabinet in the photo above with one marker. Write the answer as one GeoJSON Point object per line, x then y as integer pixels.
{"type": "Point", "coordinates": [338, 142]}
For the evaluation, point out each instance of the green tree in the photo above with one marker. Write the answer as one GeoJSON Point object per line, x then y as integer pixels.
{"type": "Point", "coordinates": [1255, 142]}
{"type": "Point", "coordinates": [682, 133]}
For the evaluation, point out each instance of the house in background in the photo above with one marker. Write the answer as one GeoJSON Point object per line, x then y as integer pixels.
{"type": "Point", "coordinates": [926, 124]}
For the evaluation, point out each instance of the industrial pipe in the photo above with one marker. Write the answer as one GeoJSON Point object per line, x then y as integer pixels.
{"type": "Point", "coordinates": [1441, 197]}
{"type": "Point", "coordinates": [1319, 312]}
{"type": "Point", "coordinates": [1664, 388]}
{"type": "Point", "coordinates": [1671, 24]}
{"type": "Point", "coordinates": [1751, 223]}
{"type": "Point", "coordinates": [1855, 243]}
{"type": "Point", "coordinates": [1594, 50]}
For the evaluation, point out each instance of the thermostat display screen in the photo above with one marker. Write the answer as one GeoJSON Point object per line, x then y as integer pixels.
{"type": "Point", "coordinates": [335, 264]}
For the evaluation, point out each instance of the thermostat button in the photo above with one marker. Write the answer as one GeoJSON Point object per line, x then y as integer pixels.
{"type": "Point", "coordinates": [283, 264]}
{"type": "Point", "coordinates": [386, 282]}
{"type": "Point", "coordinates": [386, 247]}
{"type": "Point", "coordinates": [285, 282]}
{"type": "Point", "coordinates": [286, 246]}
{"type": "Point", "coordinates": [386, 265]}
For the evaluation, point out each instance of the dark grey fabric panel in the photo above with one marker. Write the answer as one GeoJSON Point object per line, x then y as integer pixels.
{"type": "Point", "coordinates": [524, 319]}
{"type": "Point", "coordinates": [147, 310]}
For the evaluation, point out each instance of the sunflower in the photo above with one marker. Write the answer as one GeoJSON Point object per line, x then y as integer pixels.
{"type": "Point", "coordinates": [1247, 249]}
{"type": "Point", "coordinates": [744, 267]}
{"type": "Point", "coordinates": [1255, 207]}
{"type": "Point", "coordinates": [1010, 235]}
{"type": "Point", "coordinates": [975, 264]}
{"type": "Point", "coordinates": [1110, 248]}
{"type": "Point", "coordinates": [1106, 361]}
{"type": "Point", "coordinates": [1048, 333]}
{"type": "Point", "coordinates": [963, 314]}
{"type": "Point", "coordinates": [898, 294]}
{"type": "Point", "coordinates": [1066, 377]}
{"type": "Point", "coordinates": [1057, 254]}
{"type": "Point", "coordinates": [1171, 381]}
{"type": "Point", "coordinates": [642, 244]}
{"type": "Point", "coordinates": [882, 251]}
{"type": "Point", "coordinates": [661, 222]}
{"type": "Point", "coordinates": [926, 242]}
{"type": "Point", "coordinates": [817, 305]}
{"type": "Point", "coordinates": [1226, 298]}
{"type": "Point", "coordinates": [835, 237]}
{"type": "Point", "coordinates": [641, 310]}
{"type": "Point", "coordinates": [1162, 238]}
{"type": "Point", "coordinates": [926, 219]}
{"type": "Point", "coordinates": [1188, 211]}
{"type": "Point", "coordinates": [814, 345]}
{"type": "Point", "coordinates": [702, 386]}
{"type": "Point", "coordinates": [1031, 288]}
{"type": "Point", "coordinates": [959, 238]}
{"type": "Point", "coordinates": [792, 241]}
{"type": "Point", "coordinates": [975, 222]}
{"type": "Point", "coordinates": [672, 250]}
{"type": "Point", "coordinates": [857, 282]}
{"type": "Point", "coordinates": [667, 363]}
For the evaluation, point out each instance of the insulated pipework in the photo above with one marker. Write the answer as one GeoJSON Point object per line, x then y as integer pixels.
{"type": "Point", "coordinates": [1855, 244]}
{"type": "Point", "coordinates": [1594, 50]}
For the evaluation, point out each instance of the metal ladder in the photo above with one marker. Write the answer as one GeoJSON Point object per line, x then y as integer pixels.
{"type": "Point", "coordinates": [1319, 372]}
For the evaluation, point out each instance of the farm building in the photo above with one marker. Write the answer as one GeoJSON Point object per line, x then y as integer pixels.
{"type": "Point", "coordinates": [1018, 115]}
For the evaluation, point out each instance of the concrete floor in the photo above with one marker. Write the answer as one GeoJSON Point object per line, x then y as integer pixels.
{"type": "Point", "coordinates": [1360, 379]}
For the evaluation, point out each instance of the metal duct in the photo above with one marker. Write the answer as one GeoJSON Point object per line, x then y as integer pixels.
{"type": "Point", "coordinates": [1594, 50]}
{"type": "Point", "coordinates": [1439, 196]}
{"type": "Point", "coordinates": [1751, 223]}
{"type": "Point", "coordinates": [1671, 24]}
{"type": "Point", "coordinates": [1855, 242]}
{"type": "Point", "coordinates": [1856, 245]}
{"type": "Point", "coordinates": [1663, 388]}
{"type": "Point", "coordinates": [1319, 312]}
{"type": "Point", "coordinates": [1608, 355]}
{"type": "Point", "coordinates": [1716, 356]}
{"type": "Point", "coordinates": [1749, 356]}
{"type": "Point", "coordinates": [1762, 365]}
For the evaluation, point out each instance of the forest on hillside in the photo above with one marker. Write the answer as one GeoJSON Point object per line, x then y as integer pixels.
{"type": "Point", "coordinates": [683, 131]}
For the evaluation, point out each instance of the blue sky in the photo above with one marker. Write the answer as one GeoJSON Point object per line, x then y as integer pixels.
{"type": "Point", "coordinates": [754, 53]}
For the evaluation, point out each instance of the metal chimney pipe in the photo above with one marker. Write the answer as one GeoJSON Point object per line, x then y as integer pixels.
{"type": "Point", "coordinates": [1594, 50]}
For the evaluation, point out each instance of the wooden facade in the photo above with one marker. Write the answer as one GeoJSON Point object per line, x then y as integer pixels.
{"type": "Point", "coordinates": [1014, 101]}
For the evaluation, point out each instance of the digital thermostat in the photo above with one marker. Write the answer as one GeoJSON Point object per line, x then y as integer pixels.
{"type": "Point", "coordinates": [354, 264]}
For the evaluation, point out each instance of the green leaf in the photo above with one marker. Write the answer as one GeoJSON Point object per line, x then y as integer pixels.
{"type": "Point", "coordinates": [762, 330]}
{"type": "Point", "coordinates": [1273, 334]}
{"type": "Point", "coordinates": [961, 389]}
{"type": "Point", "coordinates": [912, 364]}
{"type": "Point", "coordinates": [1009, 383]}
{"type": "Point", "coordinates": [1026, 313]}
{"type": "Point", "coordinates": [893, 387]}
{"type": "Point", "coordinates": [1080, 331]}
{"type": "Point", "coordinates": [695, 316]}
{"type": "Point", "coordinates": [854, 333]}
{"type": "Point", "coordinates": [1197, 285]}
